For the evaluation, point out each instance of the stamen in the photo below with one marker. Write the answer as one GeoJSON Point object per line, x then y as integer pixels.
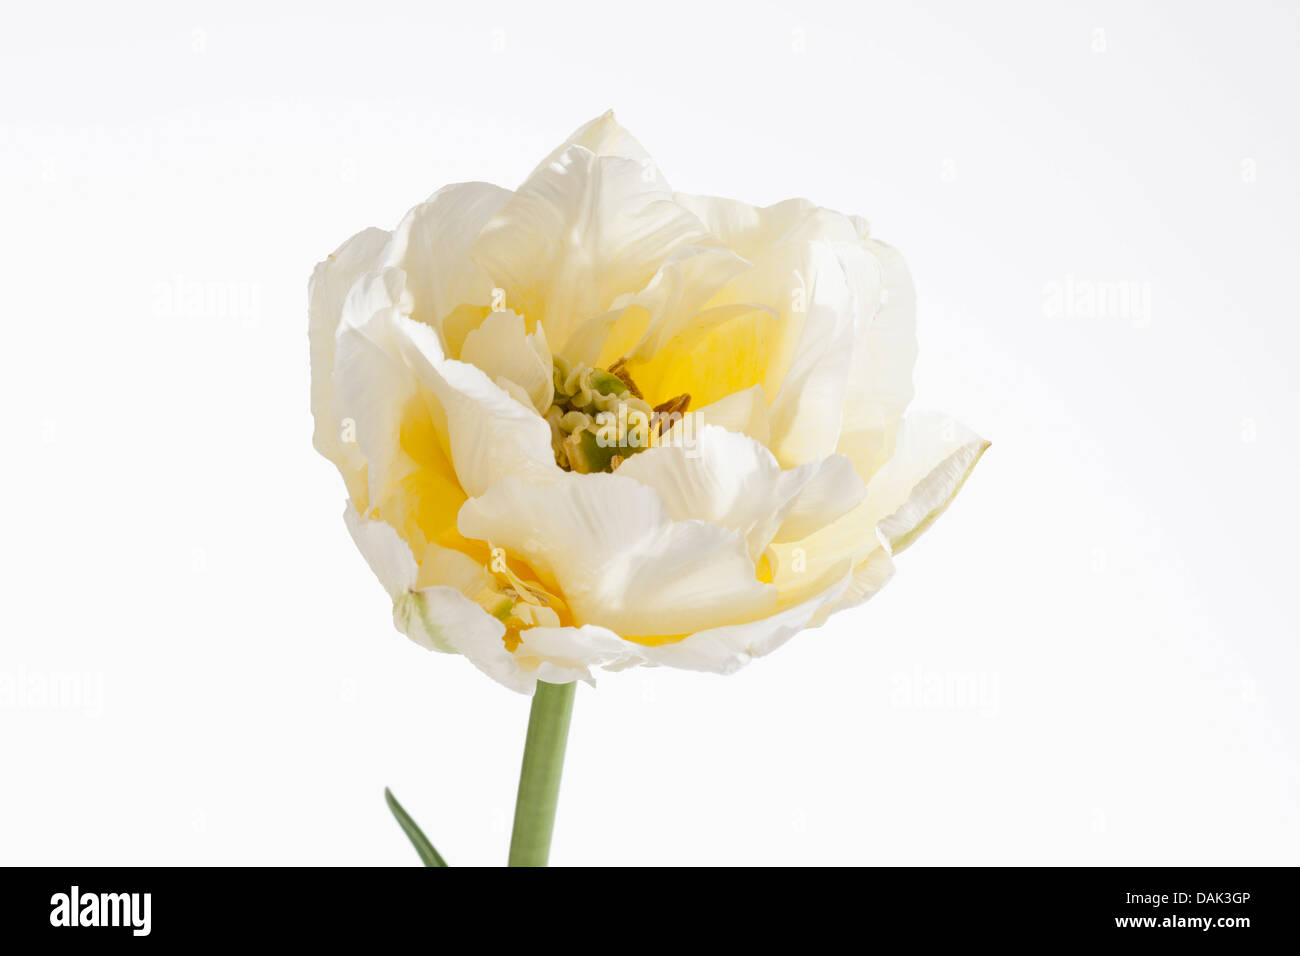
{"type": "Point", "coordinates": [667, 414]}
{"type": "Point", "coordinates": [619, 371]}
{"type": "Point", "coordinates": [527, 591]}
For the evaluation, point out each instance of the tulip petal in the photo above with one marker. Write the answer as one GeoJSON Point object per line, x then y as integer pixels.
{"type": "Point", "coordinates": [935, 456]}
{"type": "Point", "coordinates": [933, 459]}
{"type": "Point", "coordinates": [608, 544]}
{"type": "Point", "coordinates": [605, 137]}
{"type": "Point", "coordinates": [328, 289]}
{"type": "Point", "coordinates": [432, 243]}
{"type": "Point", "coordinates": [724, 650]}
{"type": "Point", "coordinates": [880, 350]}
{"type": "Point", "coordinates": [884, 353]}
{"type": "Point", "coordinates": [818, 494]}
{"type": "Point", "coordinates": [560, 655]}
{"type": "Point", "coordinates": [387, 554]}
{"type": "Point", "coordinates": [441, 617]}
{"type": "Point", "coordinates": [726, 349]}
{"type": "Point", "coordinates": [641, 324]}
{"type": "Point", "coordinates": [372, 385]}
{"type": "Point", "coordinates": [583, 230]}
{"type": "Point", "coordinates": [679, 291]}
{"type": "Point", "coordinates": [489, 434]}
{"type": "Point", "coordinates": [749, 230]}
{"type": "Point", "coordinates": [868, 578]}
{"type": "Point", "coordinates": [503, 349]}
{"type": "Point", "coordinates": [724, 478]}
{"type": "Point", "coordinates": [730, 480]}
{"type": "Point", "coordinates": [807, 411]}
{"type": "Point", "coordinates": [415, 413]}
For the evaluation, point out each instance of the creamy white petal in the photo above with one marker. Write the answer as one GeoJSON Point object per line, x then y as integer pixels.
{"type": "Point", "coordinates": [502, 348]}
{"type": "Point", "coordinates": [751, 229]}
{"type": "Point", "coordinates": [441, 617]}
{"type": "Point", "coordinates": [724, 478]}
{"type": "Point", "coordinates": [572, 651]}
{"type": "Point", "coordinates": [724, 650]}
{"type": "Point", "coordinates": [868, 578]}
{"type": "Point", "coordinates": [608, 544]}
{"type": "Point", "coordinates": [816, 494]}
{"type": "Point", "coordinates": [384, 550]}
{"type": "Point", "coordinates": [935, 456]}
{"type": "Point", "coordinates": [605, 137]}
{"type": "Point", "coordinates": [455, 569]}
{"type": "Point", "coordinates": [489, 434]}
{"type": "Point", "coordinates": [680, 291]}
{"type": "Point", "coordinates": [884, 353]}
{"type": "Point", "coordinates": [391, 375]}
{"type": "Point", "coordinates": [330, 283]}
{"type": "Point", "coordinates": [730, 480]}
{"type": "Point", "coordinates": [372, 385]}
{"type": "Point", "coordinates": [432, 247]}
{"type": "Point", "coordinates": [807, 410]}
{"type": "Point", "coordinates": [583, 230]}
{"type": "Point", "coordinates": [641, 323]}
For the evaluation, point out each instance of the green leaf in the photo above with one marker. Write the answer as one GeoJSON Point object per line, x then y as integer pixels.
{"type": "Point", "coordinates": [428, 854]}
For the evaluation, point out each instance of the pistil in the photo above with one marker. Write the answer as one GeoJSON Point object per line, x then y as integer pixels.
{"type": "Point", "coordinates": [599, 418]}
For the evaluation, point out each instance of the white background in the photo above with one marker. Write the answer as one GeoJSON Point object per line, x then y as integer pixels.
{"type": "Point", "coordinates": [1090, 659]}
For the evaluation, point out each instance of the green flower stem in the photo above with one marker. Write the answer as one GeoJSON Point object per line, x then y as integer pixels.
{"type": "Point", "coordinates": [539, 778]}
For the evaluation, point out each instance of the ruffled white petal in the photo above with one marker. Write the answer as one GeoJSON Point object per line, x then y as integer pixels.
{"type": "Point", "coordinates": [725, 478]}
{"type": "Point", "coordinates": [608, 544]}
{"type": "Point", "coordinates": [935, 456]}
{"type": "Point", "coordinates": [640, 324]}
{"type": "Point", "coordinates": [330, 283]}
{"type": "Point", "coordinates": [730, 480]}
{"type": "Point", "coordinates": [372, 385]}
{"type": "Point", "coordinates": [816, 494]}
{"type": "Point", "coordinates": [440, 618]}
{"type": "Point", "coordinates": [724, 650]}
{"type": "Point", "coordinates": [750, 230]}
{"type": "Point", "coordinates": [559, 655]}
{"type": "Point", "coordinates": [504, 350]}
{"type": "Point", "coordinates": [489, 434]}
{"type": "Point", "coordinates": [884, 353]}
{"type": "Point", "coordinates": [384, 550]}
{"type": "Point", "coordinates": [806, 412]}
{"type": "Point", "coordinates": [679, 292]}
{"type": "Point", "coordinates": [404, 398]}
{"type": "Point", "coordinates": [868, 578]}
{"type": "Point", "coordinates": [605, 137]}
{"type": "Point", "coordinates": [431, 245]}
{"type": "Point", "coordinates": [583, 230]}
